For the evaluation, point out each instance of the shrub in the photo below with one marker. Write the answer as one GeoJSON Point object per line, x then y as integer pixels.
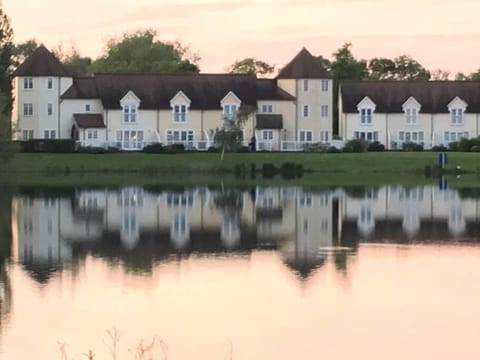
{"type": "Point", "coordinates": [410, 146]}
{"type": "Point", "coordinates": [243, 149]}
{"type": "Point", "coordinates": [355, 146]}
{"type": "Point", "coordinates": [48, 145]}
{"type": "Point", "coordinates": [453, 146]}
{"type": "Point", "coordinates": [291, 170]}
{"type": "Point", "coordinates": [154, 149]}
{"type": "Point", "coordinates": [316, 147]}
{"type": "Point", "coordinates": [212, 149]}
{"type": "Point", "coordinates": [375, 147]}
{"type": "Point", "coordinates": [92, 150]}
{"type": "Point", "coordinates": [269, 170]}
{"type": "Point", "coordinates": [333, 150]}
{"type": "Point", "coordinates": [475, 148]}
{"type": "Point", "coordinates": [440, 148]}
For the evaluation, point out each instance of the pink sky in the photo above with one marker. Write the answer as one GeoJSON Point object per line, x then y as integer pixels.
{"type": "Point", "coordinates": [437, 34]}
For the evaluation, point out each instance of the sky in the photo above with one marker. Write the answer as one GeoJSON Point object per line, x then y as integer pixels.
{"type": "Point", "coordinates": [438, 34]}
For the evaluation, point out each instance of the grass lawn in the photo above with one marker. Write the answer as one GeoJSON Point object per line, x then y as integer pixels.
{"type": "Point", "coordinates": [207, 168]}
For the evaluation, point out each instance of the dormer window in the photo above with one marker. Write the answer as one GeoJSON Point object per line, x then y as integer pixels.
{"type": "Point", "coordinates": [130, 113]}
{"type": "Point", "coordinates": [366, 116]}
{"type": "Point", "coordinates": [180, 114]}
{"type": "Point", "coordinates": [457, 116]}
{"type": "Point", "coordinates": [366, 108]}
{"type": "Point", "coordinates": [49, 83]}
{"type": "Point", "coordinates": [411, 116]}
{"type": "Point", "coordinates": [230, 112]}
{"type": "Point", "coordinates": [457, 109]}
{"type": "Point", "coordinates": [28, 83]}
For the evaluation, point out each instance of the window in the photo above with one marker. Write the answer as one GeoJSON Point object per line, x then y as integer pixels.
{"type": "Point", "coordinates": [92, 134]}
{"type": "Point", "coordinates": [28, 83]}
{"type": "Point", "coordinates": [411, 136]}
{"type": "Point", "coordinates": [49, 83]}
{"type": "Point", "coordinates": [180, 136]}
{"type": "Point", "coordinates": [366, 116]}
{"type": "Point", "coordinates": [456, 116]}
{"type": "Point", "coordinates": [130, 139]}
{"type": "Point", "coordinates": [306, 110]}
{"type": "Point", "coordinates": [324, 110]}
{"type": "Point", "coordinates": [27, 109]}
{"type": "Point", "coordinates": [230, 112]}
{"type": "Point", "coordinates": [180, 114]}
{"type": "Point", "coordinates": [324, 136]}
{"type": "Point", "coordinates": [179, 225]}
{"type": "Point", "coordinates": [455, 136]}
{"type": "Point", "coordinates": [267, 108]}
{"type": "Point", "coordinates": [366, 135]}
{"type": "Point", "coordinates": [49, 109]}
{"type": "Point", "coordinates": [305, 85]}
{"type": "Point", "coordinates": [411, 116]}
{"type": "Point", "coordinates": [88, 107]}
{"type": "Point", "coordinates": [129, 113]}
{"type": "Point", "coordinates": [305, 135]}
{"type": "Point", "coordinates": [27, 134]}
{"type": "Point", "coordinates": [267, 135]}
{"type": "Point", "coordinates": [176, 200]}
{"type": "Point", "coordinates": [49, 134]}
{"type": "Point", "coordinates": [324, 85]}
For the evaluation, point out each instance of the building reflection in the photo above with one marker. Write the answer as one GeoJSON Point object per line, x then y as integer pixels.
{"type": "Point", "coordinates": [139, 227]}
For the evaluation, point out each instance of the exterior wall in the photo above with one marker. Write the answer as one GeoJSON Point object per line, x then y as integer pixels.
{"type": "Point", "coordinates": [146, 121]}
{"type": "Point", "coordinates": [314, 98]}
{"type": "Point", "coordinates": [288, 85]}
{"type": "Point", "coordinates": [388, 127]}
{"type": "Point", "coordinates": [68, 107]}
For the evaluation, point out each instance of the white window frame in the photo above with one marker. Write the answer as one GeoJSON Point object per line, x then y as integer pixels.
{"type": "Point", "coordinates": [27, 109]}
{"type": "Point", "coordinates": [324, 111]}
{"type": "Point", "coordinates": [325, 85]}
{"type": "Point", "coordinates": [88, 107]}
{"type": "Point", "coordinates": [49, 134]}
{"type": "Point", "coordinates": [457, 116]}
{"type": "Point", "coordinates": [417, 137]}
{"type": "Point", "coordinates": [27, 134]}
{"type": "Point", "coordinates": [306, 111]}
{"type": "Point", "coordinates": [452, 136]}
{"type": "Point", "coordinates": [130, 113]}
{"type": "Point", "coordinates": [267, 108]}
{"type": "Point", "coordinates": [28, 83]}
{"type": "Point", "coordinates": [180, 113]}
{"type": "Point", "coordinates": [267, 135]}
{"type": "Point", "coordinates": [229, 112]}
{"type": "Point", "coordinates": [324, 135]}
{"type": "Point", "coordinates": [92, 134]}
{"type": "Point", "coordinates": [366, 115]}
{"type": "Point", "coordinates": [49, 109]}
{"type": "Point", "coordinates": [49, 83]}
{"type": "Point", "coordinates": [180, 135]}
{"type": "Point", "coordinates": [134, 139]}
{"type": "Point", "coordinates": [306, 85]}
{"type": "Point", "coordinates": [305, 134]}
{"type": "Point", "coordinates": [411, 116]}
{"type": "Point", "coordinates": [367, 135]}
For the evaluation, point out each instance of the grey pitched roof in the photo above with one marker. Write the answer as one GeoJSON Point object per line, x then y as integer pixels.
{"type": "Point", "coordinates": [304, 66]}
{"type": "Point", "coordinates": [269, 121]}
{"type": "Point", "coordinates": [89, 121]}
{"type": "Point", "coordinates": [389, 96]}
{"type": "Point", "coordinates": [41, 63]}
{"type": "Point", "coordinates": [156, 90]}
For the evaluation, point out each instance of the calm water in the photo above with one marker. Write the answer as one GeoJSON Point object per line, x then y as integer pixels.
{"type": "Point", "coordinates": [241, 273]}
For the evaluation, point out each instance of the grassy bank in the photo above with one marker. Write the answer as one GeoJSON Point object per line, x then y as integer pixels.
{"type": "Point", "coordinates": [207, 163]}
{"type": "Point", "coordinates": [207, 169]}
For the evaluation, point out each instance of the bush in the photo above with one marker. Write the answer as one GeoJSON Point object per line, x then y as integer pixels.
{"type": "Point", "coordinates": [154, 149]}
{"type": "Point", "coordinates": [92, 150]}
{"type": "Point", "coordinates": [333, 150]}
{"type": "Point", "coordinates": [355, 146]}
{"type": "Point", "coordinates": [269, 170]}
{"type": "Point", "coordinates": [48, 145]}
{"type": "Point", "coordinates": [375, 147]}
{"type": "Point", "coordinates": [475, 148]}
{"type": "Point", "coordinates": [316, 147]}
{"type": "Point", "coordinates": [453, 146]}
{"type": "Point", "coordinates": [440, 148]}
{"type": "Point", "coordinates": [410, 146]}
{"type": "Point", "coordinates": [212, 149]}
{"type": "Point", "coordinates": [291, 170]}
{"type": "Point", "coordinates": [243, 149]}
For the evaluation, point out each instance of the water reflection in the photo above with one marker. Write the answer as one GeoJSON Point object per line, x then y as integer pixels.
{"type": "Point", "coordinates": [139, 227]}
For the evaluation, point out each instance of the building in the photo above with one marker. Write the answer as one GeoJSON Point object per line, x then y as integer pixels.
{"type": "Point", "coordinates": [429, 113]}
{"type": "Point", "coordinates": [129, 111]}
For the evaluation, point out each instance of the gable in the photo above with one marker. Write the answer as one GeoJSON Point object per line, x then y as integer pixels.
{"type": "Point", "coordinates": [181, 99]}
{"type": "Point", "coordinates": [411, 103]}
{"type": "Point", "coordinates": [366, 103]}
{"type": "Point", "coordinates": [130, 98]}
{"type": "Point", "coordinates": [231, 98]}
{"type": "Point", "coordinates": [457, 103]}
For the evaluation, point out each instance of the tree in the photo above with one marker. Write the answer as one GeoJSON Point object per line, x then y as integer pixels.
{"type": "Point", "coordinates": [75, 64]}
{"type": "Point", "coordinates": [345, 67]}
{"type": "Point", "coordinates": [472, 76]}
{"type": "Point", "coordinates": [381, 69]}
{"type": "Point", "coordinates": [22, 51]}
{"type": "Point", "coordinates": [400, 68]}
{"type": "Point", "coordinates": [439, 74]}
{"type": "Point", "coordinates": [326, 63]}
{"type": "Point", "coordinates": [141, 52]}
{"type": "Point", "coordinates": [251, 66]}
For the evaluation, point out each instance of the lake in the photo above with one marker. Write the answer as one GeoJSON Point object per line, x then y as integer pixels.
{"type": "Point", "coordinates": [240, 273]}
